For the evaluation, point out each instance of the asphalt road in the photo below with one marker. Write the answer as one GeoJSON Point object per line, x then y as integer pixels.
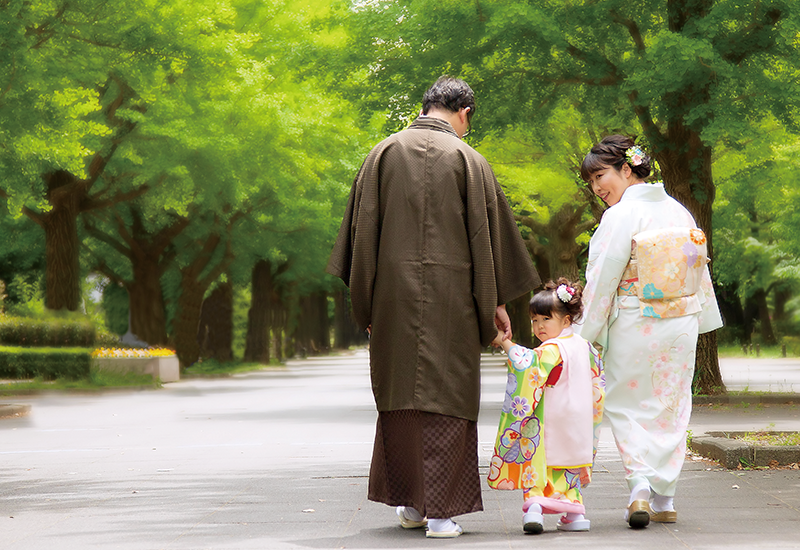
{"type": "Point", "coordinates": [278, 459]}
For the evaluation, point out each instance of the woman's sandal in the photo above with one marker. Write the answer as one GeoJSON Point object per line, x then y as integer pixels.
{"type": "Point", "coordinates": [667, 516]}
{"type": "Point", "coordinates": [638, 514]}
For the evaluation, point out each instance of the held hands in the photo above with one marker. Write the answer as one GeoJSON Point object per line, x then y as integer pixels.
{"type": "Point", "coordinates": [502, 322]}
{"type": "Point", "coordinates": [498, 340]}
{"type": "Point", "coordinates": [502, 342]}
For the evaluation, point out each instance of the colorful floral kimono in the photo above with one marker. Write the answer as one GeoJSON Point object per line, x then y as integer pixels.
{"type": "Point", "coordinates": [550, 424]}
{"type": "Point", "coordinates": [648, 295]}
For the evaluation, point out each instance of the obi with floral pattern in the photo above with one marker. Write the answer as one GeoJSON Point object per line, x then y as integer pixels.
{"type": "Point", "coordinates": [667, 267]}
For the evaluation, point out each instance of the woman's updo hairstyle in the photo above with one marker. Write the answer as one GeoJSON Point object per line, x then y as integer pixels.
{"type": "Point", "coordinates": [561, 297]}
{"type": "Point", "coordinates": [611, 151]}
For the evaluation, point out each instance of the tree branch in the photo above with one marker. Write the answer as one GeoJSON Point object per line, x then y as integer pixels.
{"type": "Point", "coordinates": [92, 204]}
{"type": "Point", "coordinates": [633, 29]}
{"type": "Point", "coordinates": [101, 266]}
{"type": "Point", "coordinates": [756, 37]}
{"type": "Point", "coordinates": [101, 236]}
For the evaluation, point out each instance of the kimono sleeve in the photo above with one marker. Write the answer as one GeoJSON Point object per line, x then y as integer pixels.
{"type": "Point", "coordinates": [710, 317]}
{"type": "Point", "coordinates": [502, 267]}
{"type": "Point", "coordinates": [609, 255]}
{"type": "Point", "coordinates": [519, 439]}
{"type": "Point", "coordinates": [528, 372]}
{"type": "Point", "coordinates": [354, 258]}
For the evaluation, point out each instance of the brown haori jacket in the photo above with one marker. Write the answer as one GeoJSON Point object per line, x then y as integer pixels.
{"type": "Point", "coordinates": [429, 248]}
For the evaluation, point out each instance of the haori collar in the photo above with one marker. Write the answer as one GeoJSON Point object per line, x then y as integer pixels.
{"type": "Point", "coordinates": [432, 123]}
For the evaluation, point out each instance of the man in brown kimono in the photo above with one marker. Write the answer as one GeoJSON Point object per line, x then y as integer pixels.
{"type": "Point", "coordinates": [431, 253]}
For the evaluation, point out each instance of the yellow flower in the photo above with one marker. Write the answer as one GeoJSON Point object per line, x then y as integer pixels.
{"type": "Point", "coordinates": [132, 352]}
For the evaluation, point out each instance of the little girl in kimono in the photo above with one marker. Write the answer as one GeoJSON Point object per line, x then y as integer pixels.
{"type": "Point", "coordinates": [550, 421]}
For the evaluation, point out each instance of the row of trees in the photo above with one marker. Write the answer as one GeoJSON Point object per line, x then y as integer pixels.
{"type": "Point", "coordinates": [171, 148]}
{"type": "Point", "coordinates": [198, 155]}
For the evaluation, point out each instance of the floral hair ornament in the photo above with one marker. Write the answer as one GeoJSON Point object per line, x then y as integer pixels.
{"type": "Point", "coordinates": [565, 293]}
{"type": "Point", "coordinates": [635, 155]}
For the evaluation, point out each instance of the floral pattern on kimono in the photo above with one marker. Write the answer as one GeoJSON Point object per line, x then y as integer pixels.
{"type": "Point", "coordinates": [519, 460]}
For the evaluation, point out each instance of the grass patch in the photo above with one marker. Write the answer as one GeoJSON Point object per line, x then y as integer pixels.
{"type": "Point", "coordinates": [777, 439]}
{"type": "Point", "coordinates": [769, 437]}
{"type": "Point", "coordinates": [212, 367]}
{"type": "Point", "coordinates": [97, 380]}
{"type": "Point", "coordinates": [765, 352]}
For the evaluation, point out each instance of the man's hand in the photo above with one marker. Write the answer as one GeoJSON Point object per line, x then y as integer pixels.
{"type": "Point", "coordinates": [502, 321]}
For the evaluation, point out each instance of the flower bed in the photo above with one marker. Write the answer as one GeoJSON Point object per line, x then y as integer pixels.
{"type": "Point", "coordinates": [160, 363]}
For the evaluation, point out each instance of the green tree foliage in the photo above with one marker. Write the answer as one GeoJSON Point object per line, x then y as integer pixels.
{"type": "Point", "coordinates": [555, 208]}
{"type": "Point", "coordinates": [756, 220]}
{"type": "Point", "coordinates": [80, 78]}
{"type": "Point", "coordinates": [683, 73]}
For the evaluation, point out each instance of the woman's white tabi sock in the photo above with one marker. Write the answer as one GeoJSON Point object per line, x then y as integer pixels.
{"type": "Point", "coordinates": [662, 504]}
{"type": "Point", "coordinates": [640, 492]}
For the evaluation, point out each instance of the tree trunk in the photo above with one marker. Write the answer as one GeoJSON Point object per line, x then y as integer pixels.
{"type": "Point", "coordinates": [345, 329]}
{"type": "Point", "coordinates": [341, 321]}
{"type": "Point", "coordinates": [259, 314]}
{"type": "Point", "coordinates": [321, 336]}
{"type": "Point", "coordinates": [146, 302]}
{"type": "Point", "coordinates": [554, 246]}
{"type": "Point", "coordinates": [782, 296]}
{"type": "Point", "coordinates": [686, 167]}
{"type": "Point", "coordinates": [215, 333]}
{"type": "Point", "coordinates": [707, 381]}
{"type": "Point", "coordinates": [290, 316]}
{"type": "Point", "coordinates": [62, 271]}
{"type": "Point", "coordinates": [312, 334]}
{"type": "Point", "coordinates": [277, 325]}
{"type": "Point", "coordinates": [279, 318]}
{"type": "Point", "coordinates": [187, 321]}
{"type": "Point", "coordinates": [305, 327]}
{"type": "Point", "coordinates": [750, 316]}
{"type": "Point", "coordinates": [190, 302]}
{"type": "Point", "coordinates": [564, 248]}
{"type": "Point", "coordinates": [767, 334]}
{"type": "Point", "coordinates": [732, 312]}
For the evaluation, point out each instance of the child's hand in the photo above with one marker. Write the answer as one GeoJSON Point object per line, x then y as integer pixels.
{"type": "Point", "coordinates": [498, 340]}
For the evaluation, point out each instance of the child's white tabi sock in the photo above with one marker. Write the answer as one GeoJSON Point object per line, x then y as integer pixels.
{"type": "Point", "coordinates": [571, 517]}
{"type": "Point", "coordinates": [534, 508]}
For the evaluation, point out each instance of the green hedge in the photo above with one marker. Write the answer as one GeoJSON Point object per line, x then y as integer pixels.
{"type": "Point", "coordinates": [52, 332]}
{"type": "Point", "coordinates": [45, 363]}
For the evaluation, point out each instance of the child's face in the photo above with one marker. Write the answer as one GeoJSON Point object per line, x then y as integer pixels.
{"type": "Point", "coordinates": [549, 326]}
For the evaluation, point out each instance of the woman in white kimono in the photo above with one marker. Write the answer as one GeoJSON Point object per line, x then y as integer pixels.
{"type": "Point", "coordinates": [648, 295]}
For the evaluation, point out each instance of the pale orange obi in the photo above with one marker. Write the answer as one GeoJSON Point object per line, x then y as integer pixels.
{"type": "Point", "coordinates": [665, 271]}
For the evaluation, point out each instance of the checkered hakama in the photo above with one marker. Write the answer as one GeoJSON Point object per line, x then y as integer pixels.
{"type": "Point", "coordinates": [428, 461]}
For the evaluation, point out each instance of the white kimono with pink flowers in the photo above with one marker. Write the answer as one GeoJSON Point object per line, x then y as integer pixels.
{"type": "Point", "coordinates": [648, 295]}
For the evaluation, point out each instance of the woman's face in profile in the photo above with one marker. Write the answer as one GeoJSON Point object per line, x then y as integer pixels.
{"type": "Point", "coordinates": [609, 184]}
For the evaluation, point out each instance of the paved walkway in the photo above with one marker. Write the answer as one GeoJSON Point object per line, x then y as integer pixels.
{"type": "Point", "coordinates": [278, 459]}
